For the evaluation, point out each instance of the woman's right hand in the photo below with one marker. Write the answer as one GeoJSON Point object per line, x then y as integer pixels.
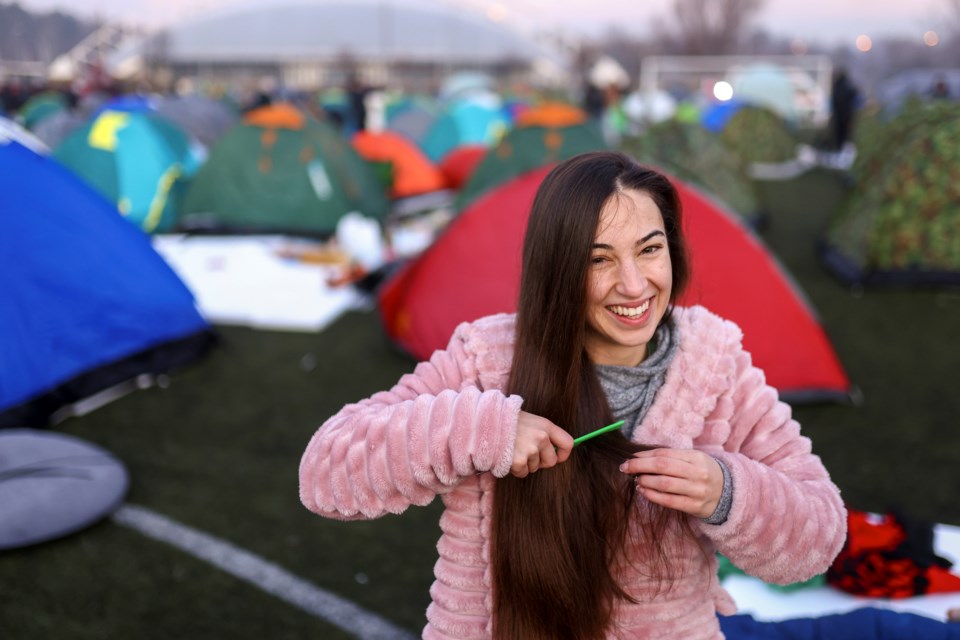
{"type": "Point", "coordinates": [540, 444]}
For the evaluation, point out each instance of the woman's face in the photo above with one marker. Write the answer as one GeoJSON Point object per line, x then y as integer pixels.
{"type": "Point", "coordinates": [629, 281]}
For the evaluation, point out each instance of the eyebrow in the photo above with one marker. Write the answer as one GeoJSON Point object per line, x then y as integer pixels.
{"type": "Point", "coordinates": [655, 232]}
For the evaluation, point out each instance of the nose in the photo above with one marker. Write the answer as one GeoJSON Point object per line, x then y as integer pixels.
{"type": "Point", "coordinates": [632, 278]}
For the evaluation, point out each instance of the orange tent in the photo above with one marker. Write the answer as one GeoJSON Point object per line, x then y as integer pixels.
{"type": "Point", "coordinates": [551, 114]}
{"type": "Point", "coordinates": [276, 116]}
{"type": "Point", "coordinates": [412, 174]}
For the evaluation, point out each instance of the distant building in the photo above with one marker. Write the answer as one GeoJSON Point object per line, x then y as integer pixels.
{"type": "Point", "coordinates": [307, 47]}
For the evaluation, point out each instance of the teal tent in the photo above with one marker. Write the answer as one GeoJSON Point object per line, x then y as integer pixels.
{"type": "Point", "coordinates": [137, 160]}
{"type": "Point", "coordinates": [464, 122]}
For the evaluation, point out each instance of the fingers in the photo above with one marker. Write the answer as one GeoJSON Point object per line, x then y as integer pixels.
{"type": "Point", "coordinates": [526, 461]}
{"type": "Point", "coordinates": [664, 486]}
{"type": "Point", "coordinates": [677, 502]}
{"type": "Point", "coordinates": [562, 443]}
{"type": "Point", "coordinates": [532, 452]}
{"type": "Point", "coordinates": [678, 463]}
{"type": "Point", "coordinates": [540, 444]}
{"type": "Point", "coordinates": [686, 480]}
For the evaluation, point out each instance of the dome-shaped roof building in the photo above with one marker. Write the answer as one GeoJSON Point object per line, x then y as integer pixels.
{"type": "Point", "coordinates": [307, 46]}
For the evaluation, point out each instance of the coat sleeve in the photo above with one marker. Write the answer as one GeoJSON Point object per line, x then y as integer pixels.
{"type": "Point", "coordinates": [787, 521]}
{"type": "Point", "coordinates": [404, 446]}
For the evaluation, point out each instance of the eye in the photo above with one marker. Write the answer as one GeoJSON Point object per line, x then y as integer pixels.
{"type": "Point", "coordinates": [650, 249]}
{"type": "Point", "coordinates": [598, 259]}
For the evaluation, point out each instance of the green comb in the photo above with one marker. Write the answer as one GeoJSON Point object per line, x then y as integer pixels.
{"type": "Point", "coordinates": [600, 431]}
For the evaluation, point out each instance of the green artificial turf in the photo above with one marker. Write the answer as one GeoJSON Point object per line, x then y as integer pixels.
{"type": "Point", "coordinates": [218, 450]}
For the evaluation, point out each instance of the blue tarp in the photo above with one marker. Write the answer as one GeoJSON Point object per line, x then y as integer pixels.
{"type": "Point", "coordinates": [82, 289]}
{"type": "Point", "coordinates": [868, 623]}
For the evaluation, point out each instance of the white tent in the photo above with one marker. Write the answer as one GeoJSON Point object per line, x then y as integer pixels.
{"type": "Point", "coordinates": [606, 71]}
{"type": "Point", "coordinates": [765, 84]}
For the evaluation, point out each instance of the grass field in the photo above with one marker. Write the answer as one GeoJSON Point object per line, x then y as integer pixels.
{"type": "Point", "coordinates": [218, 450]}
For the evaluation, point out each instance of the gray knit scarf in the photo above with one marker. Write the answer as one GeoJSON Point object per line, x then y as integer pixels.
{"type": "Point", "coordinates": [630, 390]}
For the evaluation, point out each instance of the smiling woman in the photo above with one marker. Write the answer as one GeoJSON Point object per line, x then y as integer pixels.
{"type": "Point", "coordinates": [616, 537]}
{"type": "Point", "coordinates": [630, 283]}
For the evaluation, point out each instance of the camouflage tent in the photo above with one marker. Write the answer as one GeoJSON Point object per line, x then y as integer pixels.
{"type": "Point", "coordinates": [524, 149]}
{"type": "Point", "coordinates": [281, 171]}
{"type": "Point", "coordinates": [878, 136]}
{"type": "Point", "coordinates": [758, 134]}
{"type": "Point", "coordinates": [901, 224]}
{"type": "Point", "coordinates": [693, 154]}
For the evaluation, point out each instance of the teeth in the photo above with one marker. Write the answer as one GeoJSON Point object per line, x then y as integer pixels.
{"type": "Point", "coordinates": [631, 312]}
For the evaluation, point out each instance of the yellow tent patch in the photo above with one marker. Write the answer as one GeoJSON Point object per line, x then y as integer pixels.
{"type": "Point", "coordinates": [103, 133]}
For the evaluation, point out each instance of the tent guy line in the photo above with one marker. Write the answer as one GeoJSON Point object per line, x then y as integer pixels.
{"type": "Point", "coordinates": [265, 575]}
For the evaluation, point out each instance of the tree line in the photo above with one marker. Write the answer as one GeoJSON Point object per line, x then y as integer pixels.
{"type": "Point", "coordinates": [26, 36]}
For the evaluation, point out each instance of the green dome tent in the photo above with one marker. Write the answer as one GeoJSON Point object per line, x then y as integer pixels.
{"type": "Point", "coordinates": [280, 171]}
{"type": "Point", "coordinates": [758, 134]}
{"type": "Point", "coordinates": [697, 156]}
{"type": "Point", "coordinates": [523, 149]}
{"type": "Point", "coordinates": [901, 225]}
{"type": "Point", "coordinates": [878, 137]}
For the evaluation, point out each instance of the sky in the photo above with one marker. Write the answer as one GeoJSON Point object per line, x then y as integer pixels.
{"type": "Point", "coordinates": [825, 21]}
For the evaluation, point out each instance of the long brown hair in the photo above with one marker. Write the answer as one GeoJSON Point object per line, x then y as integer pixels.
{"type": "Point", "coordinates": [558, 534]}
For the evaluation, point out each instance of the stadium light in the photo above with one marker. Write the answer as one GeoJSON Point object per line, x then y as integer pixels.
{"type": "Point", "coordinates": [722, 91]}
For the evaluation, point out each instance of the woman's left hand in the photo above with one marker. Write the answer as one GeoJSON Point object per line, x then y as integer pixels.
{"type": "Point", "coordinates": [683, 479]}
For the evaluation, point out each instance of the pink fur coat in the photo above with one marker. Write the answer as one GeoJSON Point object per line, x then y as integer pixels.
{"type": "Point", "coordinates": [448, 429]}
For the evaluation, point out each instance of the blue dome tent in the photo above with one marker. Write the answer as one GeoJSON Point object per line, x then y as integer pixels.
{"type": "Point", "coordinates": [716, 116]}
{"type": "Point", "coordinates": [87, 304]}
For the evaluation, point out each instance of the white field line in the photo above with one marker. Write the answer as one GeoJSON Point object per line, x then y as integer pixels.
{"type": "Point", "coordinates": [262, 574]}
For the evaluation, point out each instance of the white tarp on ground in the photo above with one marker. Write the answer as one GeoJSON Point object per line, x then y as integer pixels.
{"type": "Point", "coordinates": [766, 603]}
{"type": "Point", "coordinates": [243, 280]}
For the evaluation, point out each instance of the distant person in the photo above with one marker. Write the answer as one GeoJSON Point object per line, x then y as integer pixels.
{"type": "Point", "coordinates": [357, 97]}
{"type": "Point", "coordinates": [616, 538]}
{"type": "Point", "coordinates": [260, 99]}
{"type": "Point", "coordinates": [940, 90]}
{"type": "Point", "coordinates": [334, 117]}
{"type": "Point", "coordinates": [12, 96]}
{"type": "Point", "coordinates": [594, 102]}
{"type": "Point", "coordinates": [844, 97]}
{"type": "Point", "coordinates": [71, 98]}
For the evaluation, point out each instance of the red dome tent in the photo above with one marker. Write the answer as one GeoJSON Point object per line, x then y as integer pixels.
{"type": "Point", "coordinates": [458, 165]}
{"type": "Point", "coordinates": [473, 269]}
